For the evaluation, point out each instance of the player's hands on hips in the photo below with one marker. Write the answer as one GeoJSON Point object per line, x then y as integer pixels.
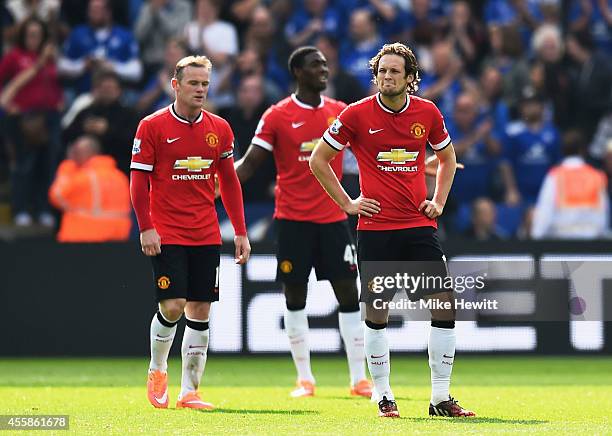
{"type": "Point", "coordinates": [363, 206]}
{"type": "Point", "coordinates": [150, 242]}
{"type": "Point", "coordinates": [431, 209]}
{"type": "Point", "coordinates": [243, 249]}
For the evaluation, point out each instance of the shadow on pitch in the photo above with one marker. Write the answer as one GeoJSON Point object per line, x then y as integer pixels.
{"type": "Point", "coordinates": [263, 411]}
{"type": "Point", "coordinates": [480, 420]}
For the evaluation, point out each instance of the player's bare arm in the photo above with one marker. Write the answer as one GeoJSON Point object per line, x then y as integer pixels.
{"type": "Point", "coordinates": [320, 160]}
{"type": "Point", "coordinates": [444, 179]}
{"type": "Point", "coordinates": [431, 166]}
{"type": "Point", "coordinates": [252, 159]}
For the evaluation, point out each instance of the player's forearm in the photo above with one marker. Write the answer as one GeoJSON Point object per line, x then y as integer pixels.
{"type": "Point", "coordinates": [444, 178]}
{"type": "Point", "coordinates": [244, 169]}
{"type": "Point", "coordinates": [231, 195]}
{"type": "Point", "coordinates": [252, 159]}
{"type": "Point", "coordinates": [328, 180]}
{"type": "Point", "coordinates": [139, 192]}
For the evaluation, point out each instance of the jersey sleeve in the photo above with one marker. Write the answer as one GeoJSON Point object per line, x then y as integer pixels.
{"type": "Point", "coordinates": [227, 146]}
{"type": "Point", "coordinates": [438, 138]}
{"type": "Point", "coordinates": [342, 130]}
{"type": "Point", "coordinates": [143, 149]}
{"type": "Point", "coordinates": [265, 133]}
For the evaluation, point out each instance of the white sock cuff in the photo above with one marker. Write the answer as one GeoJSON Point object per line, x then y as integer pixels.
{"type": "Point", "coordinates": [296, 318]}
{"type": "Point", "coordinates": [196, 320]}
{"type": "Point", "coordinates": [349, 317]}
{"type": "Point", "coordinates": [374, 332]}
{"type": "Point", "coordinates": [448, 333]}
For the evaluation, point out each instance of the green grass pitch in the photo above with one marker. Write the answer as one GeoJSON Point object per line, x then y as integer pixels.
{"type": "Point", "coordinates": [548, 395]}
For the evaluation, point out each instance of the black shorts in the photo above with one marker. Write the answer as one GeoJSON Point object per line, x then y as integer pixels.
{"type": "Point", "coordinates": [329, 248]}
{"type": "Point", "coordinates": [417, 248]}
{"type": "Point", "coordinates": [190, 272]}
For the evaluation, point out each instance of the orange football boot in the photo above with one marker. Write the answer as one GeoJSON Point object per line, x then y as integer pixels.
{"type": "Point", "coordinates": [363, 388]}
{"type": "Point", "coordinates": [304, 388]}
{"type": "Point", "coordinates": [157, 389]}
{"type": "Point", "coordinates": [192, 400]}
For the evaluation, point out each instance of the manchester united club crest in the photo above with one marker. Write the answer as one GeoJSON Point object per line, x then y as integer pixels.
{"type": "Point", "coordinates": [286, 266]}
{"type": "Point", "coordinates": [417, 130]}
{"type": "Point", "coordinates": [212, 139]}
{"type": "Point", "coordinates": [163, 283]}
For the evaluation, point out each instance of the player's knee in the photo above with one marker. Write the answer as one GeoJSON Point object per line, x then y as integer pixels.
{"type": "Point", "coordinates": [295, 296]}
{"type": "Point", "coordinates": [172, 310]}
{"type": "Point", "coordinates": [347, 295]}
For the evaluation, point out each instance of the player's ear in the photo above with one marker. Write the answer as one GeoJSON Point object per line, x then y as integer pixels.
{"type": "Point", "coordinates": [174, 83]}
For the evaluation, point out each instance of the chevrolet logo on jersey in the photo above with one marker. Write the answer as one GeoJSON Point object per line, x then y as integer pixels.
{"type": "Point", "coordinates": [397, 156]}
{"type": "Point", "coordinates": [307, 147]}
{"type": "Point", "coordinates": [192, 164]}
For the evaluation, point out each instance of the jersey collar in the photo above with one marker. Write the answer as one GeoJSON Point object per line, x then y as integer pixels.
{"type": "Point", "coordinates": [388, 109]}
{"type": "Point", "coordinates": [307, 106]}
{"type": "Point", "coordinates": [182, 119]}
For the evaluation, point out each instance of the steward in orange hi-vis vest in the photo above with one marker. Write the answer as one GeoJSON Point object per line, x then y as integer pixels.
{"type": "Point", "coordinates": [94, 198]}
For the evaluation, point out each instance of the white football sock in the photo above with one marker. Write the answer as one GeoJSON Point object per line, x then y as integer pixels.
{"type": "Point", "coordinates": [441, 350]}
{"type": "Point", "coordinates": [161, 342]}
{"type": "Point", "coordinates": [194, 350]}
{"type": "Point", "coordinates": [351, 330]}
{"type": "Point", "coordinates": [379, 361]}
{"type": "Point", "coordinates": [296, 326]}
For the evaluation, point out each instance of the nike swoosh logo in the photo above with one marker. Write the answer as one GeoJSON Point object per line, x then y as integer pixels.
{"type": "Point", "coordinates": [162, 399]}
{"type": "Point", "coordinates": [197, 346]}
{"type": "Point", "coordinates": [377, 357]}
{"type": "Point", "coordinates": [296, 125]}
{"type": "Point", "coordinates": [371, 132]}
{"type": "Point", "coordinates": [448, 357]}
{"type": "Point", "coordinates": [170, 141]}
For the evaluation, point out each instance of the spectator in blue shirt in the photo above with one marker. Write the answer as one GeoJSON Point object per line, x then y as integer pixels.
{"type": "Point", "coordinates": [493, 106]}
{"type": "Point", "coordinates": [444, 83]}
{"type": "Point", "coordinates": [594, 16]}
{"type": "Point", "coordinates": [307, 23]}
{"type": "Point", "coordinates": [100, 45]}
{"type": "Point", "coordinates": [525, 14]}
{"type": "Point", "coordinates": [158, 92]}
{"type": "Point", "coordinates": [423, 22]}
{"type": "Point", "coordinates": [476, 146]}
{"type": "Point", "coordinates": [531, 147]}
{"type": "Point", "coordinates": [364, 43]}
{"type": "Point", "coordinates": [392, 20]}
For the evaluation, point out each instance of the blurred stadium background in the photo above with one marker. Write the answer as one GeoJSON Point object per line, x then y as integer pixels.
{"type": "Point", "coordinates": [521, 83]}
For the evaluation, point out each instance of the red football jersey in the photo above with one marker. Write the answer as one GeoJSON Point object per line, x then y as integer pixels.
{"type": "Point", "coordinates": [390, 150]}
{"type": "Point", "coordinates": [290, 129]}
{"type": "Point", "coordinates": [182, 158]}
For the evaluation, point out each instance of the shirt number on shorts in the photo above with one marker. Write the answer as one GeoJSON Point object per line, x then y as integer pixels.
{"type": "Point", "coordinates": [350, 254]}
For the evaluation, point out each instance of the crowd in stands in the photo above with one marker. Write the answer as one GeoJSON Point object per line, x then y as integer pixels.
{"type": "Point", "coordinates": [525, 87]}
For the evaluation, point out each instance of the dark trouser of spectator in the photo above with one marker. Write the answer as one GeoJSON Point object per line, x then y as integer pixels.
{"type": "Point", "coordinates": [34, 142]}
